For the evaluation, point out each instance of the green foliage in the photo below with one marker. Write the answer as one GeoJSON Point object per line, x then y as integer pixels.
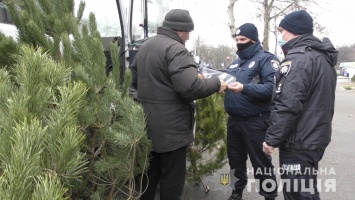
{"type": "Point", "coordinates": [88, 137]}
{"type": "Point", "coordinates": [8, 48]}
{"type": "Point", "coordinates": [22, 163]}
{"type": "Point", "coordinates": [49, 187]}
{"type": "Point", "coordinates": [39, 134]}
{"type": "Point", "coordinates": [209, 150]}
{"type": "Point", "coordinates": [348, 88]}
{"type": "Point", "coordinates": [353, 79]}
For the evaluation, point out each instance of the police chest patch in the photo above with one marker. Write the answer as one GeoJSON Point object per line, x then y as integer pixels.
{"type": "Point", "coordinates": [252, 64]}
{"type": "Point", "coordinates": [275, 64]}
{"type": "Point", "coordinates": [285, 68]}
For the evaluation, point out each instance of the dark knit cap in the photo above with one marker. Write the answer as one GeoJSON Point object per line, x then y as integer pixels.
{"type": "Point", "coordinates": [248, 30]}
{"type": "Point", "coordinates": [298, 22]}
{"type": "Point", "coordinates": [179, 20]}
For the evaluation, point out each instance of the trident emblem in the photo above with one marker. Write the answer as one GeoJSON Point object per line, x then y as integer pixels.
{"type": "Point", "coordinates": [224, 179]}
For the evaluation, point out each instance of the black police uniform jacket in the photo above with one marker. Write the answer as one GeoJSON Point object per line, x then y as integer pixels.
{"type": "Point", "coordinates": [165, 77]}
{"type": "Point", "coordinates": [255, 69]}
{"type": "Point", "coordinates": [303, 101]}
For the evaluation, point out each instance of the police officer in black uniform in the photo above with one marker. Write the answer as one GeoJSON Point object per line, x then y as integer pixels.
{"type": "Point", "coordinates": [248, 104]}
{"type": "Point", "coordinates": [303, 105]}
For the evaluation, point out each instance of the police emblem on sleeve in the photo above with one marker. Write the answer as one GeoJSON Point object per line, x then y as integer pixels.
{"type": "Point", "coordinates": [285, 68]}
{"type": "Point", "coordinates": [275, 64]}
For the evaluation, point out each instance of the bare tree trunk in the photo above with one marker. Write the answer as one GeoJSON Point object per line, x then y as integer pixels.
{"type": "Point", "coordinates": [267, 12]}
{"type": "Point", "coordinates": [275, 50]}
{"type": "Point", "coordinates": [270, 9]}
{"type": "Point", "coordinates": [265, 42]}
{"type": "Point", "coordinates": [274, 31]}
{"type": "Point", "coordinates": [231, 19]}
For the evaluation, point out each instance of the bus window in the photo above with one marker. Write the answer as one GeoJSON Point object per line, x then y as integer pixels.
{"type": "Point", "coordinates": [106, 14]}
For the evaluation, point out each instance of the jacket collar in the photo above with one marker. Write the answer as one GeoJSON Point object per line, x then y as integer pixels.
{"type": "Point", "coordinates": [170, 33]}
{"type": "Point", "coordinates": [301, 43]}
{"type": "Point", "coordinates": [290, 44]}
{"type": "Point", "coordinates": [250, 51]}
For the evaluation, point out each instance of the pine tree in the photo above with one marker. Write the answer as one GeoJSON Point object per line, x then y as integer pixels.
{"type": "Point", "coordinates": [68, 130]}
{"type": "Point", "coordinates": [208, 152]}
{"type": "Point", "coordinates": [39, 135]}
{"type": "Point", "coordinates": [71, 130]}
{"type": "Point", "coordinates": [8, 47]}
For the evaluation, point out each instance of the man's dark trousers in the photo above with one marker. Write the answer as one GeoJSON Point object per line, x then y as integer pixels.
{"type": "Point", "coordinates": [169, 171]}
{"type": "Point", "coordinates": [245, 136]}
{"type": "Point", "coordinates": [299, 174]}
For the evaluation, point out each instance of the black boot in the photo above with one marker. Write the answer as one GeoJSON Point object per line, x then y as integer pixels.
{"type": "Point", "coordinates": [266, 198]}
{"type": "Point", "coordinates": [235, 196]}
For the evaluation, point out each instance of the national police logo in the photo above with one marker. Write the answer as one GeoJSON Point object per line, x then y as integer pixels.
{"type": "Point", "coordinates": [224, 179]}
{"type": "Point", "coordinates": [285, 68]}
{"type": "Point", "coordinates": [252, 64]}
{"type": "Point", "coordinates": [275, 64]}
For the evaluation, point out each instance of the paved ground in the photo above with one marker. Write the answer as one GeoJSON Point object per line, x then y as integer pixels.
{"type": "Point", "coordinates": [339, 157]}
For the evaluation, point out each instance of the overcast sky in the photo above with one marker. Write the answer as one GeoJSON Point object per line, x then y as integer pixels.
{"type": "Point", "coordinates": [210, 17]}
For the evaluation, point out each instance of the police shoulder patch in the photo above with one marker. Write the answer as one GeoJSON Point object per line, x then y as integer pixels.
{"type": "Point", "coordinates": [285, 68]}
{"type": "Point", "coordinates": [275, 64]}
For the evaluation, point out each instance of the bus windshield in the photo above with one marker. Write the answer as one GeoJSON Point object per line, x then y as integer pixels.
{"type": "Point", "coordinates": [108, 22]}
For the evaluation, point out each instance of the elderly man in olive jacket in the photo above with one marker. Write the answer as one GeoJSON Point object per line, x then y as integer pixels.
{"type": "Point", "coordinates": [166, 79]}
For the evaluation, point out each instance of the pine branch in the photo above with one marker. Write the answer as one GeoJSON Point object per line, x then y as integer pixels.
{"type": "Point", "coordinates": [66, 89]}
